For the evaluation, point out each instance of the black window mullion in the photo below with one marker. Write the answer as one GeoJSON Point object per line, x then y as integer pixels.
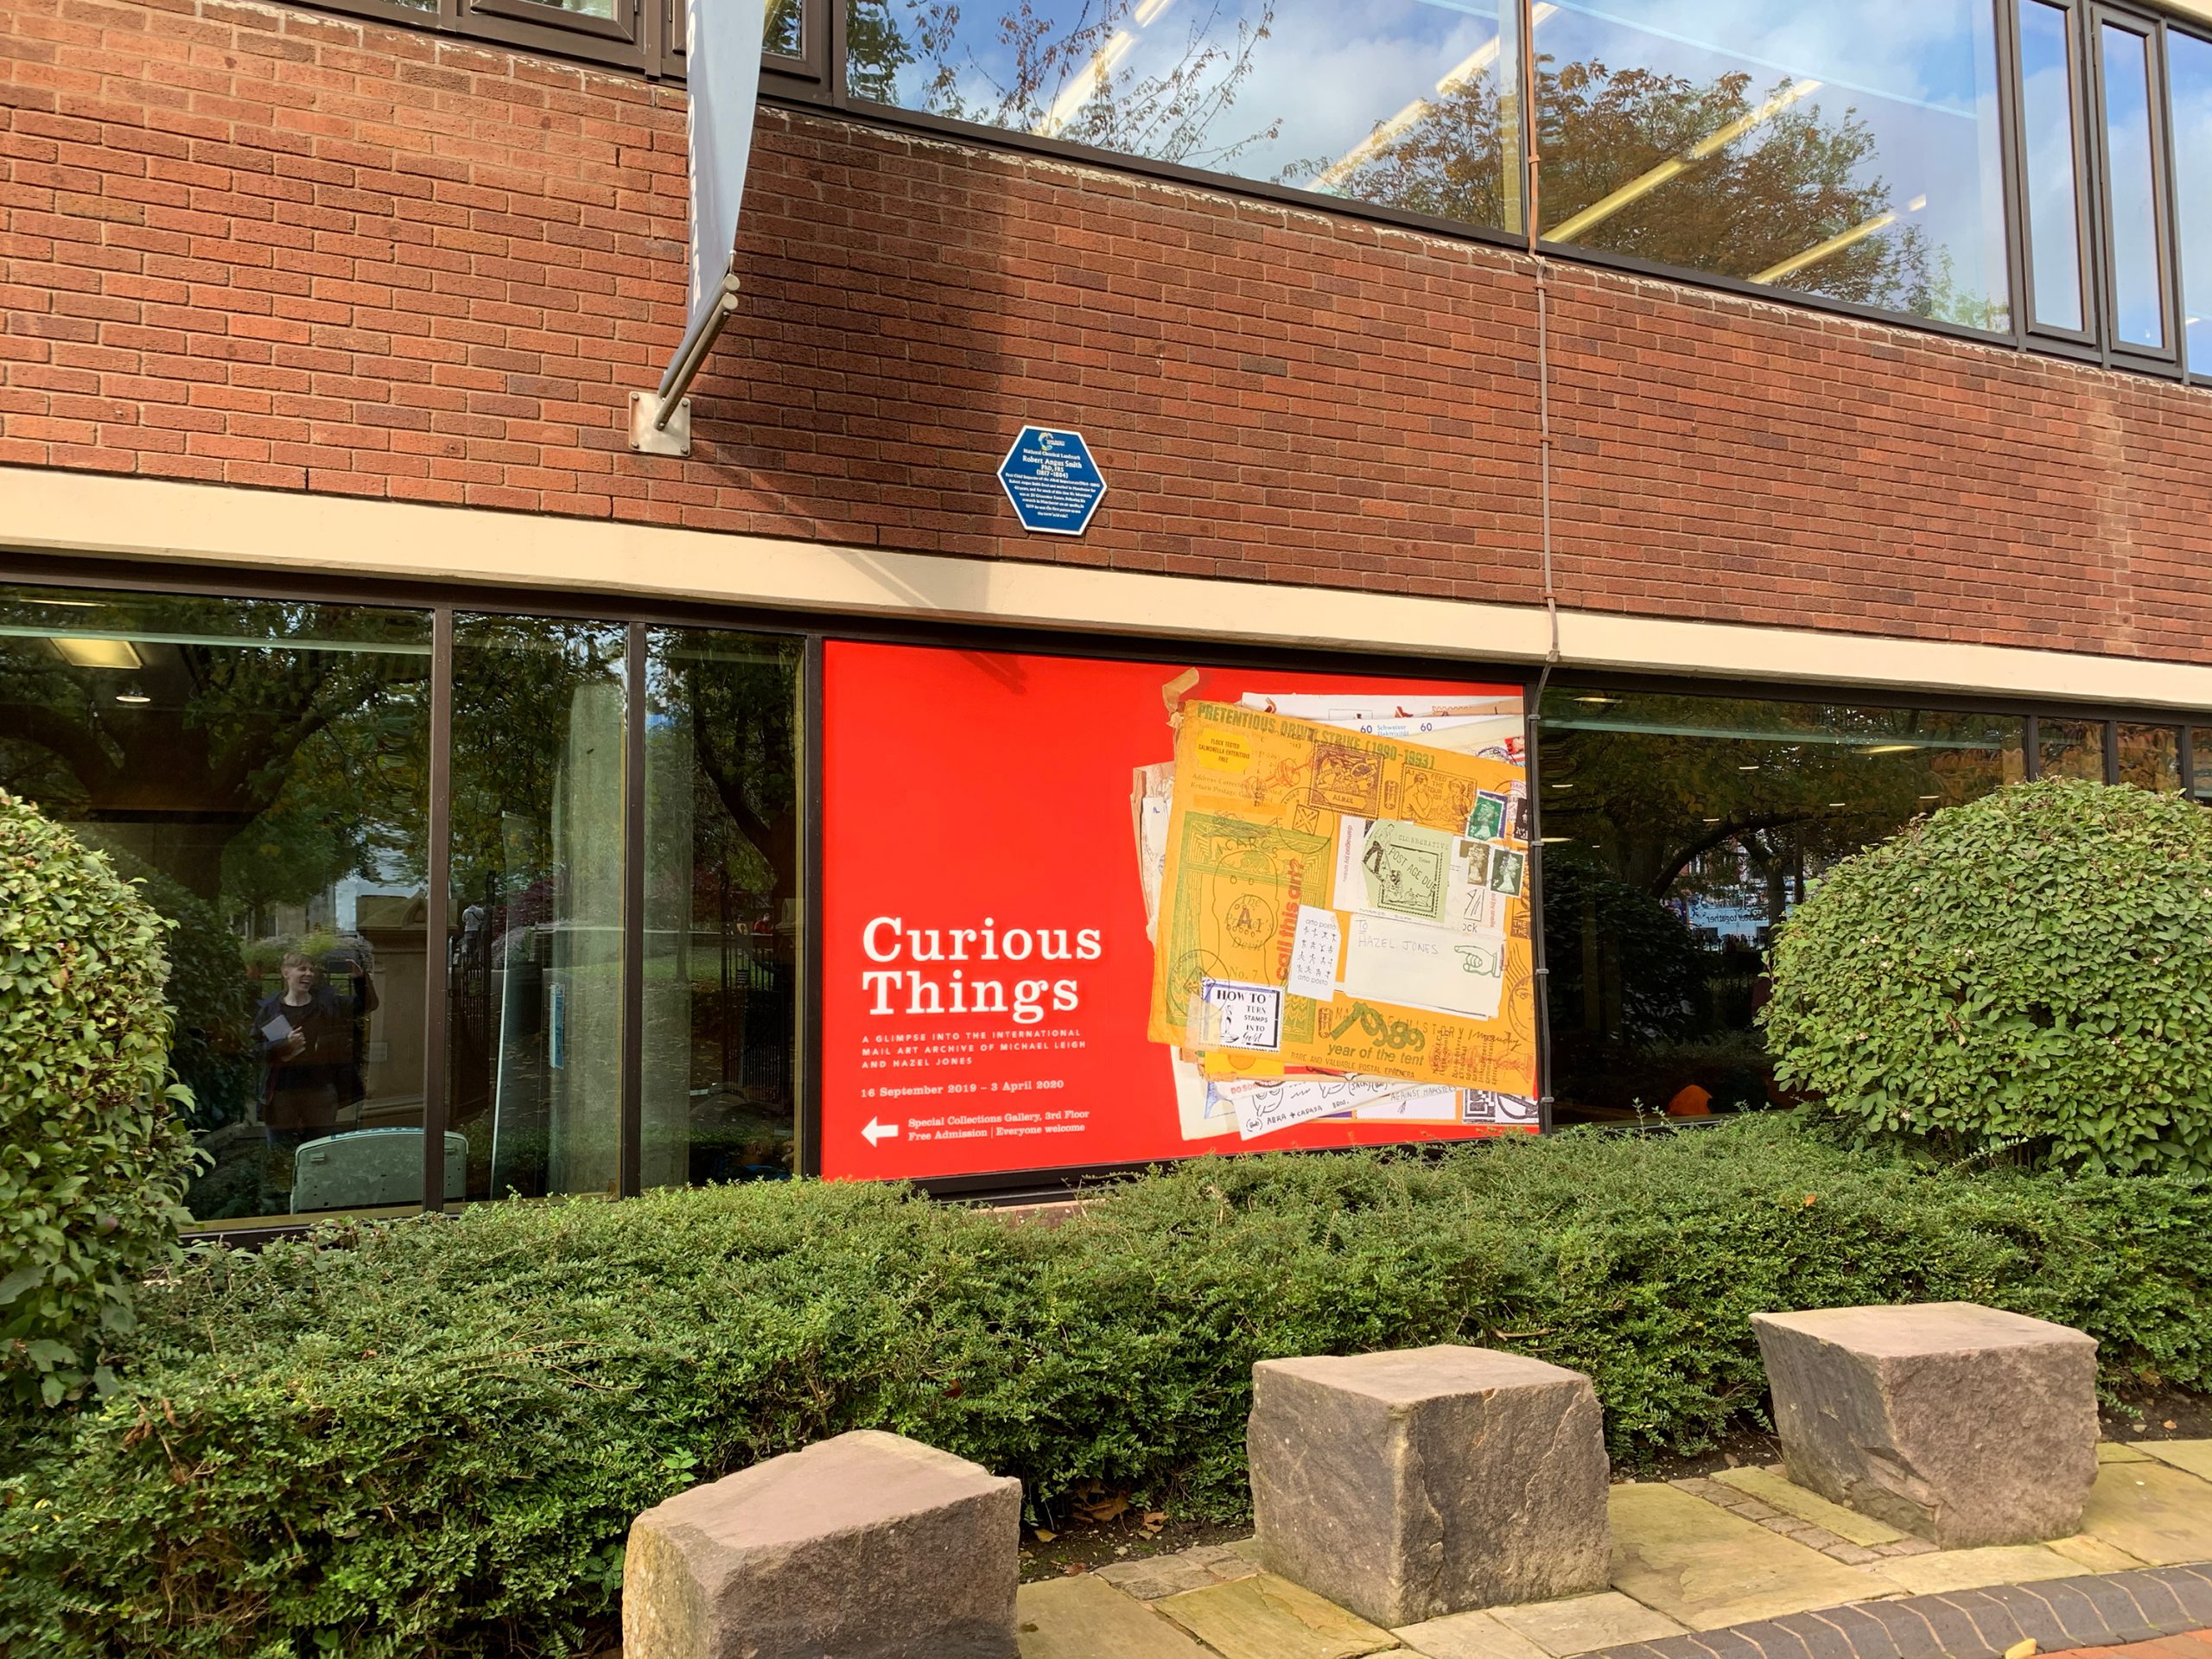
{"type": "Point", "coordinates": [807, 1046]}
{"type": "Point", "coordinates": [436, 900]}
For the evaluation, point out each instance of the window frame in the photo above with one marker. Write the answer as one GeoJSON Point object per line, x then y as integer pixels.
{"type": "Point", "coordinates": [2150, 27]}
{"type": "Point", "coordinates": [812, 629]}
{"type": "Point", "coordinates": [2072, 342]}
{"type": "Point", "coordinates": [652, 44]}
{"type": "Point", "coordinates": [2199, 30]}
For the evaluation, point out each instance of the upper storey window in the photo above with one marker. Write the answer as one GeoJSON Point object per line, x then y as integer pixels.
{"type": "Point", "coordinates": [1815, 149]}
{"type": "Point", "coordinates": [1850, 150]}
{"type": "Point", "coordinates": [1400, 103]}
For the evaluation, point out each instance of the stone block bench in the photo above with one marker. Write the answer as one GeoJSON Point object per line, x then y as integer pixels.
{"type": "Point", "coordinates": [1409, 1485]}
{"type": "Point", "coordinates": [868, 1546]}
{"type": "Point", "coordinates": [1959, 1423]}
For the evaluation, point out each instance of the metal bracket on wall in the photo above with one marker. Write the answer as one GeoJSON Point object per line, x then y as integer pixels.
{"type": "Point", "coordinates": [655, 433]}
{"type": "Point", "coordinates": [660, 420]}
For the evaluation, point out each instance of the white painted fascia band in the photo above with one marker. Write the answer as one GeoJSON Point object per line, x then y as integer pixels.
{"type": "Point", "coordinates": [281, 533]}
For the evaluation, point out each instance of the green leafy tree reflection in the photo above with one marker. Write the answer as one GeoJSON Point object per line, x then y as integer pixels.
{"type": "Point", "coordinates": [1752, 179]}
{"type": "Point", "coordinates": [1057, 72]}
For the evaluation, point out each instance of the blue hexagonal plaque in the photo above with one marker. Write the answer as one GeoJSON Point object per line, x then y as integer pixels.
{"type": "Point", "coordinates": [1051, 478]}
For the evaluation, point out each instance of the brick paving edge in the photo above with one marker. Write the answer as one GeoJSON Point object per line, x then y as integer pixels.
{"type": "Point", "coordinates": [2098, 1609]}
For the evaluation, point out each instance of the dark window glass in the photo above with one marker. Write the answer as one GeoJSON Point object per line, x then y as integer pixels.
{"type": "Point", "coordinates": [259, 768]}
{"type": "Point", "coordinates": [783, 29]}
{"type": "Point", "coordinates": [2053, 188]}
{"type": "Point", "coordinates": [534, 956]}
{"type": "Point", "coordinates": [2070, 748]}
{"type": "Point", "coordinates": [2139, 287]}
{"type": "Point", "coordinates": [721, 956]}
{"type": "Point", "coordinates": [2189, 62]}
{"type": "Point", "coordinates": [1678, 830]}
{"type": "Point", "coordinates": [1398, 103]}
{"type": "Point", "coordinates": [1832, 150]}
{"type": "Point", "coordinates": [2150, 757]}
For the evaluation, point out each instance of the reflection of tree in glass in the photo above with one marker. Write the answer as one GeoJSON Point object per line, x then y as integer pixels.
{"type": "Point", "coordinates": [216, 746]}
{"type": "Point", "coordinates": [1789, 181]}
{"type": "Point", "coordinates": [741, 711]}
{"type": "Point", "coordinates": [515, 684]}
{"type": "Point", "coordinates": [1655, 803]}
{"type": "Point", "coordinates": [1059, 74]}
{"type": "Point", "coordinates": [781, 31]}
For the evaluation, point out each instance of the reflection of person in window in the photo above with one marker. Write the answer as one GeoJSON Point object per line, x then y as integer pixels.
{"type": "Point", "coordinates": [348, 972]}
{"type": "Point", "coordinates": [304, 1033]}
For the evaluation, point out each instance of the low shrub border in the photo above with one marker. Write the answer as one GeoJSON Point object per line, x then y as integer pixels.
{"type": "Point", "coordinates": [430, 1438]}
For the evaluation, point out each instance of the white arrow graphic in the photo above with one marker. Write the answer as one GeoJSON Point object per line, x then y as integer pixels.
{"type": "Point", "coordinates": [876, 1132]}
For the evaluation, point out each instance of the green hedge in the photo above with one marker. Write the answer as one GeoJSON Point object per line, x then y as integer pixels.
{"type": "Point", "coordinates": [432, 1441]}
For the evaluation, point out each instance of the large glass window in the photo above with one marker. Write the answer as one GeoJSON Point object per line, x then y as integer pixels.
{"type": "Point", "coordinates": [2190, 68]}
{"type": "Point", "coordinates": [2150, 757]}
{"type": "Point", "coordinates": [722, 903]}
{"type": "Point", "coordinates": [1678, 832]}
{"type": "Point", "coordinates": [259, 769]}
{"type": "Point", "coordinates": [2053, 162]}
{"type": "Point", "coordinates": [1399, 103]}
{"type": "Point", "coordinates": [2070, 748]}
{"type": "Point", "coordinates": [1833, 152]}
{"type": "Point", "coordinates": [2137, 256]}
{"type": "Point", "coordinates": [534, 959]}
{"type": "Point", "coordinates": [1839, 150]}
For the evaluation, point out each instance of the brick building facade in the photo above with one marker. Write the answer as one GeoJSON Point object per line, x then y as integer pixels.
{"type": "Point", "coordinates": [297, 297]}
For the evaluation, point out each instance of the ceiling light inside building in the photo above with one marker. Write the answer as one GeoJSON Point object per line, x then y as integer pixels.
{"type": "Point", "coordinates": [1597, 700]}
{"type": "Point", "coordinates": [1095, 79]}
{"type": "Point", "coordinates": [98, 653]}
{"type": "Point", "coordinates": [1820, 250]}
{"type": "Point", "coordinates": [1891, 748]}
{"type": "Point", "coordinates": [1839, 802]}
{"type": "Point", "coordinates": [134, 697]}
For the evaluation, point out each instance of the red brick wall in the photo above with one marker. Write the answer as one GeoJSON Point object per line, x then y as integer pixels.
{"type": "Point", "coordinates": [263, 247]}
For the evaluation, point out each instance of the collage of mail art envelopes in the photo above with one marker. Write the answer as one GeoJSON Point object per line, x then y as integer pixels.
{"type": "Point", "coordinates": [1338, 914]}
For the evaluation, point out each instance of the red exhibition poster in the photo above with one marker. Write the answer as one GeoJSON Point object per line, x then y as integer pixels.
{"type": "Point", "coordinates": [1082, 912]}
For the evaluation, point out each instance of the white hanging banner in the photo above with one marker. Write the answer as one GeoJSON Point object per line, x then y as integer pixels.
{"type": "Point", "coordinates": [721, 72]}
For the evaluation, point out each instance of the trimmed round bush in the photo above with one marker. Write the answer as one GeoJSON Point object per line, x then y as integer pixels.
{"type": "Point", "coordinates": [93, 1161]}
{"type": "Point", "coordinates": [2028, 974]}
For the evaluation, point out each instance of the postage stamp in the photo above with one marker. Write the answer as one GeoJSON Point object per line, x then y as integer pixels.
{"type": "Point", "coordinates": [1506, 870]}
{"type": "Point", "coordinates": [1486, 818]}
{"type": "Point", "coordinates": [1346, 780]}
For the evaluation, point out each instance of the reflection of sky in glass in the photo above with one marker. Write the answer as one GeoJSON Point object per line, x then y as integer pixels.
{"type": "Point", "coordinates": [2191, 62]}
{"type": "Point", "coordinates": [1286, 108]}
{"type": "Point", "coordinates": [2054, 211]}
{"type": "Point", "coordinates": [1916, 77]}
{"type": "Point", "coordinates": [2138, 298]}
{"type": "Point", "coordinates": [1850, 150]}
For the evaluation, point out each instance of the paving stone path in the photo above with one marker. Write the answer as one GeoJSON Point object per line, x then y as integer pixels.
{"type": "Point", "coordinates": [1742, 1566]}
